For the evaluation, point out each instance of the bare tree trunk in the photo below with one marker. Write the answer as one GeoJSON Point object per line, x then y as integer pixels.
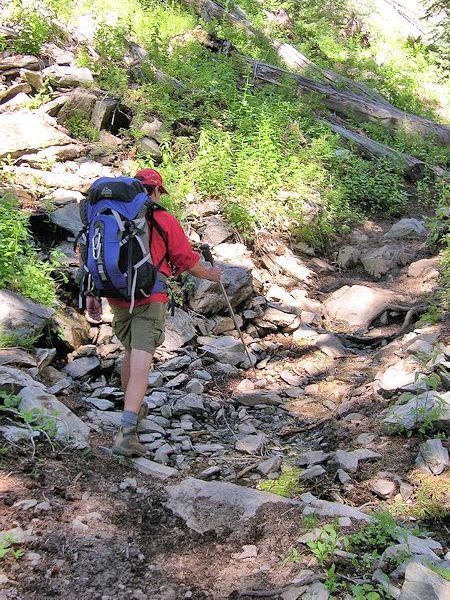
{"type": "Point", "coordinates": [348, 104]}
{"type": "Point", "coordinates": [412, 167]}
{"type": "Point", "coordinates": [298, 61]}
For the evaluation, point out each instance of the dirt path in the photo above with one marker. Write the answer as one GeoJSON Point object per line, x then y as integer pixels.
{"type": "Point", "coordinates": [96, 529]}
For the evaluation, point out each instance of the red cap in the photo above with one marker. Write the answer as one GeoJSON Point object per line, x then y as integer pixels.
{"type": "Point", "coordinates": [151, 177]}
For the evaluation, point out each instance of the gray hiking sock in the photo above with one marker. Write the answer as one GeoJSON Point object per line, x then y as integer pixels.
{"type": "Point", "coordinates": [129, 419]}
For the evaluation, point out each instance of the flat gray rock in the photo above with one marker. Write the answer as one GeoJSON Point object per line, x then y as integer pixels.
{"type": "Point", "coordinates": [406, 228]}
{"type": "Point", "coordinates": [179, 330]}
{"type": "Point", "coordinates": [358, 305]}
{"type": "Point", "coordinates": [24, 132]}
{"type": "Point", "coordinates": [70, 428]}
{"type": "Point", "coordinates": [251, 444]}
{"type": "Point", "coordinates": [401, 417]}
{"type": "Point", "coordinates": [403, 375]}
{"type": "Point", "coordinates": [256, 398]}
{"type": "Point", "coordinates": [434, 455]}
{"type": "Point", "coordinates": [21, 316]}
{"type": "Point", "coordinates": [379, 261]}
{"type": "Point", "coordinates": [216, 505]}
{"type": "Point", "coordinates": [207, 298]}
{"type": "Point", "coordinates": [81, 366]}
{"type": "Point", "coordinates": [225, 349]}
{"type": "Point", "coordinates": [106, 419]}
{"type": "Point", "coordinates": [190, 403]}
{"type": "Point", "coordinates": [270, 465]}
{"type": "Point", "coordinates": [16, 356]}
{"type": "Point", "coordinates": [312, 472]}
{"type": "Point", "coordinates": [216, 231]}
{"type": "Point", "coordinates": [349, 460]}
{"type": "Point", "coordinates": [64, 76]}
{"type": "Point", "coordinates": [68, 217]}
{"type": "Point", "coordinates": [312, 457]}
{"type": "Point", "coordinates": [330, 345]}
{"type": "Point", "coordinates": [422, 583]}
{"type": "Point", "coordinates": [100, 403]}
{"type": "Point", "coordinates": [333, 509]}
{"type": "Point", "coordinates": [154, 469]}
{"type": "Point", "coordinates": [13, 380]}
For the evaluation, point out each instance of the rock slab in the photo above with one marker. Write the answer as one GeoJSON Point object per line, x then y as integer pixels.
{"type": "Point", "coordinates": [70, 428]}
{"type": "Point", "coordinates": [216, 505]}
{"type": "Point", "coordinates": [24, 131]}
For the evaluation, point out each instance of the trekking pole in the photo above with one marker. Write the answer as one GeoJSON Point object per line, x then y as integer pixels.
{"type": "Point", "coordinates": [206, 251]}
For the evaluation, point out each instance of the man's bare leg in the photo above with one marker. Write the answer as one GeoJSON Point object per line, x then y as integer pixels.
{"type": "Point", "coordinates": [125, 370]}
{"type": "Point", "coordinates": [139, 363]}
{"type": "Point", "coordinates": [134, 376]}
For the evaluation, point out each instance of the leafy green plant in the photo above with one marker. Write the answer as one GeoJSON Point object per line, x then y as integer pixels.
{"type": "Point", "coordinates": [80, 127]}
{"type": "Point", "coordinates": [20, 269]}
{"type": "Point", "coordinates": [112, 78]}
{"type": "Point", "coordinates": [367, 591]}
{"type": "Point", "coordinates": [12, 340]}
{"type": "Point", "coordinates": [325, 547]}
{"type": "Point", "coordinates": [44, 95]}
{"type": "Point", "coordinates": [34, 29]}
{"type": "Point", "coordinates": [293, 557]}
{"type": "Point", "coordinates": [9, 400]}
{"type": "Point", "coordinates": [310, 521]}
{"type": "Point", "coordinates": [331, 581]}
{"type": "Point", "coordinates": [380, 533]}
{"type": "Point", "coordinates": [6, 547]}
{"type": "Point", "coordinates": [286, 484]}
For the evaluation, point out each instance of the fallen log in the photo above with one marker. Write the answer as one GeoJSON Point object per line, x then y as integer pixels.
{"type": "Point", "coordinates": [348, 104]}
{"type": "Point", "coordinates": [293, 58]}
{"type": "Point", "coordinates": [298, 61]}
{"type": "Point", "coordinates": [412, 167]}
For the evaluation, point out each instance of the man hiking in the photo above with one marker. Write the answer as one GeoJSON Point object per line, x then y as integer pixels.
{"type": "Point", "coordinates": [139, 324]}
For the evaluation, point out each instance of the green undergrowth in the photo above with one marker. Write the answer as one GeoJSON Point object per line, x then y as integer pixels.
{"type": "Point", "coordinates": [285, 485]}
{"type": "Point", "coordinates": [21, 269]}
{"type": "Point", "coordinates": [257, 149]}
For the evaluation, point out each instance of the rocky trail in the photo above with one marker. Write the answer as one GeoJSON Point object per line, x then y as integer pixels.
{"type": "Point", "coordinates": [256, 479]}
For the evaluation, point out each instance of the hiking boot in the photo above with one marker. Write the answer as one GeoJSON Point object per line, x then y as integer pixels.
{"type": "Point", "coordinates": [143, 412]}
{"type": "Point", "coordinates": [127, 443]}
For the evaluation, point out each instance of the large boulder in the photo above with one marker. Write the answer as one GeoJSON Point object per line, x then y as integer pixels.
{"type": "Point", "coordinates": [406, 228]}
{"type": "Point", "coordinates": [207, 298]}
{"type": "Point", "coordinates": [24, 131]}
{"type": "Point", "coordinates": [216, 505]}
{"type": "Point", "coordinates": [422, 582]}
{"type": "Point", "coordinates": [103, 111]}
{"type": "Point", "coordinates": [215, 231]}
{"type": "Point", "coordinates": [434, 406]}
{"type": "Point", "coordinates": [79, 102]}
{"type": "Point", "coordinates": [226, 349]}
{"type": "Point", "coordinates": [379, 261]}
{"type": "Point", "coordinates": [179, 330]}
{"type": "Point", "coordinates": [13, 380]}
{"type": "Point", "coordinates": [19, 61]}
{"type": "Point", "coordinates": [73, 329]}
{"type": "Point", "coordinates": [357, 306]}
{"type": "Point", "coordinates": [67, 76]}
{"type": "Point", "coordinates": [68, 217]}
{"type": "Point", "coordinates": [69, 428]}
{"type": "Point", "coordinates": [21, 316]}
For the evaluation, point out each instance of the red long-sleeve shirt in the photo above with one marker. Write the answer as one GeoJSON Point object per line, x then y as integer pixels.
{"type": "Point", "coordinates": [180, 253]}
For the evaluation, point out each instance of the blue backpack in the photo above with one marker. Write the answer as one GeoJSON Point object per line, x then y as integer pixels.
{"type": "Point", "coordinates": [115, 242]}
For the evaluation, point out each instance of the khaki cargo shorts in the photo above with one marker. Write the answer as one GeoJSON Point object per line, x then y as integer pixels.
{"type": "Point", "coordinates": [143, 329]}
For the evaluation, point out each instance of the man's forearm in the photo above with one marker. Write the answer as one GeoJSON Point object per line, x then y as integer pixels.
{"type": "Point", "coordinates": [211, 273]}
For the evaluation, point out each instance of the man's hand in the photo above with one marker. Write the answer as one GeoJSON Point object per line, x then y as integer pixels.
{"type": "Point", "coordinates": [214, 274]}
{"type": "Point", "coordinates": [210, 273]}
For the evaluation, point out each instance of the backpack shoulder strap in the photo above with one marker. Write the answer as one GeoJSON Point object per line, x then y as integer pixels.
{"type": "Point", "coordinates": [154, 224]}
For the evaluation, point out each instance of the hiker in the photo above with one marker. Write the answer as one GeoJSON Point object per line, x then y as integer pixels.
{"type": "Point", "coordinates": [139, 323]}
